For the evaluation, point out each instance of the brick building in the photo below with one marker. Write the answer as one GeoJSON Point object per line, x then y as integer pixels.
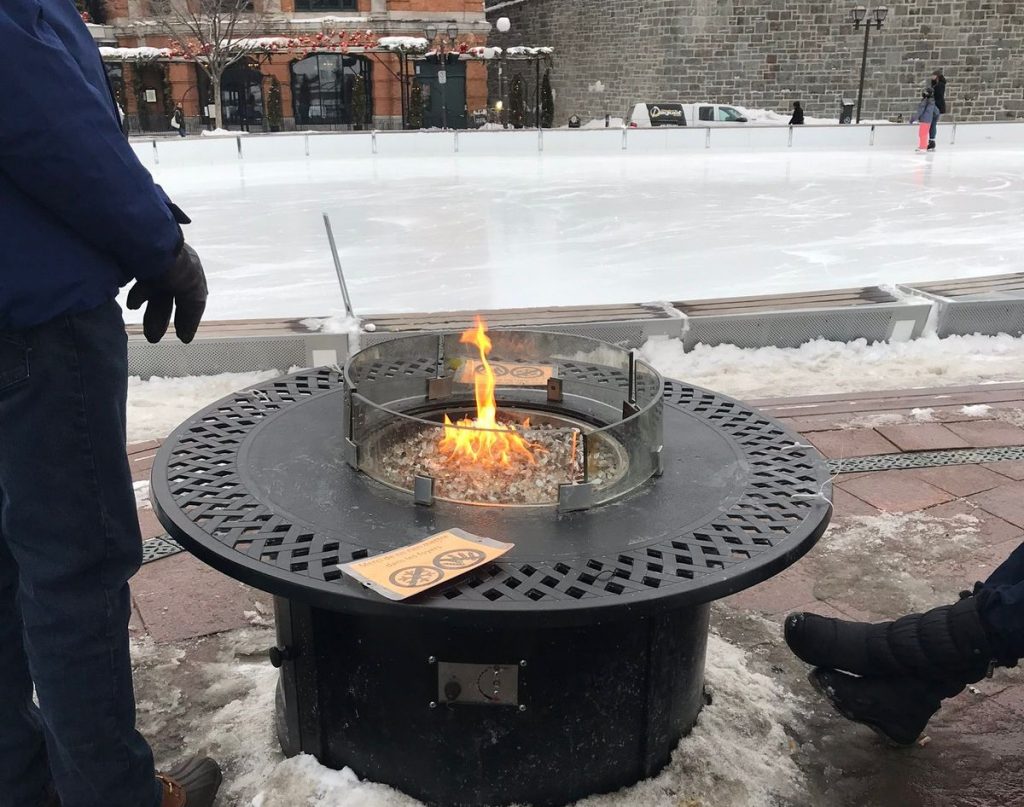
{"type": "Point", "coordinates": [768, 53]}
{"type": "Point", "coordinates": [297, 87]}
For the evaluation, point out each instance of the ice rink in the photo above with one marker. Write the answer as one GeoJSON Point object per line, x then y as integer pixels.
{"type": "Point", "coordinates": [444, 231]}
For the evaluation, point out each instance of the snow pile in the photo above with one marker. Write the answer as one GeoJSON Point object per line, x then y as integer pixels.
{"type": "Point", "coordinates": [822, 367]}
{"type": "Point", "coordinates": [341, 323]}
{"type": "Point", "coordinates": [413, 44]}
{"type": "Point", "coordinates": [134, 54]}
{"type": "Point", "coordinates": [738, 754]}
{"type": "Point", "coordinates": [157, 406]}
{"type": "Point", "coordinates": [976, 411]}
{"type": "Point", "coordinates": [523, 50]}
{"type": "Point", "coordinates": [220, 133]}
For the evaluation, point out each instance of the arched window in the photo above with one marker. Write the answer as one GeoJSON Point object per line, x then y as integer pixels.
{"type": "Point", "coordinates": [323, 90]}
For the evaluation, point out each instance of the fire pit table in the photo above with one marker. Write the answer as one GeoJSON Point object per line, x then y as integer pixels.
{"type": "Point", "coordinates": [573, 664]}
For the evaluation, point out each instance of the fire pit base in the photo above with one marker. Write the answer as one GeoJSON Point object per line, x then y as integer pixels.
{"type": "Point", "coordinates": [482, 715]}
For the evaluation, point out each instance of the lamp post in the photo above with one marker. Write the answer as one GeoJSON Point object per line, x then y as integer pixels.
{"type": "Point", "coordinates": [452, 32]}
{"type": "Point", "coordinates": [860, 15]}
{"type": "Point", "coordinates": [504, 25]}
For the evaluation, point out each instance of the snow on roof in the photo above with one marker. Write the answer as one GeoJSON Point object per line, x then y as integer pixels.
{"type": "Point", "coordinates": [142, 53]}
{"type": "Point", "coordinates": [405, 43]}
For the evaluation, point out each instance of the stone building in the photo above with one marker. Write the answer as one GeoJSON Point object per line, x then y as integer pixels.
{"type": "Point", "coordinates": [297, 85]}
{"type": "Point", "coordinates": [768, 53]}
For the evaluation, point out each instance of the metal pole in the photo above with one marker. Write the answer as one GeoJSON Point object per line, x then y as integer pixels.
{"type": "Point", "coordinates": [337, 267]}
{"type": "Point", "coordinates": [863, 68]}
{"type": "Point", "coordinates": [536, 95]}
{"type": "Point", "coordinates": [402, 88]}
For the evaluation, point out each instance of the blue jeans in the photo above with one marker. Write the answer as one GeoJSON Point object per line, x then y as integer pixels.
{"type": "Point", "coordinates": [69, 542]}
{"type": "Point", "coordinates": [1001, 604]}
{"type": "Point", "coordinates": [935, 126]}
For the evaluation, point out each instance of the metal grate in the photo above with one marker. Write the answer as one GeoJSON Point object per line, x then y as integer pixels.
{"type": "Point", "coordinates": [162, 547]}
{"type": "Point", "coordinates": [781, 501]}
{"type": "Point", "coordinates": [925, 459]}
{"type": "Point", "coordinates": [215, 356]}
{"type": "Point", "coordinates": [983, 316]}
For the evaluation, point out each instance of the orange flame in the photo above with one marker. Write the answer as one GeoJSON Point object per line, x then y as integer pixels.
{"type": "Point", "coordinates": [483, 440]}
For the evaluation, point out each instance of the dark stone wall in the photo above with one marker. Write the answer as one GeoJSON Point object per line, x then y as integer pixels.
{"type": "Point", "coordinates": [610, 55]}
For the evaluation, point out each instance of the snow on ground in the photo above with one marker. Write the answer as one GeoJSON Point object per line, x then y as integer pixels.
{"type": "Point", "coordinates": [156, 406]}
{"type": "Point", "coordinates": [821, 367]}
{"type": "Point", "coordinates": [458, 232]}
{"type": "Point", "coordinates": [738, 755]}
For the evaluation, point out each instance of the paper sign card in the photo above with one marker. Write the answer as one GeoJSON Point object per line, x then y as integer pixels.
{"type": "Point", "coordinates": [508, 373]}
{"type": "Point", "coordinates": [404, 572]}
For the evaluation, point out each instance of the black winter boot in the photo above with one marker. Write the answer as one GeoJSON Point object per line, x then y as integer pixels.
{"type": "Point", "coordinates": [897, 709]}
{"type": "Point", "coordinates": [945, 643]}
{"type": "Point", "coordinates": [931, 145]}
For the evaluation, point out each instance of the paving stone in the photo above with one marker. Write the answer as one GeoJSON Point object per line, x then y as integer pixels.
{"type": "Point", "coordinates": [1005, 501]}
{"type": "Point", "coordinates": [1014, 469]}
{"type": "Point", "coordinates": [851, 443]}
{"type": "Point", "coordinates": [960, 480]}
{"type": "Point", "coordinates": [989, 433]}
{"type": "Point", "coordinates": [179, 597]}
{"type": "Point", "coordinates": [896, 491]}
{"type": "Point", "coordinates": [991, 530]}
{"type": "Point", "coordinates": [846, 504]}
{"type": "Point", "coordinates": [922, 437]}
{"type": "Point", "coordinates": [150, 527]}
{"type": "Point", "coordinates": [780, 594]}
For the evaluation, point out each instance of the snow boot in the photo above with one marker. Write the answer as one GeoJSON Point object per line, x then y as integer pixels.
{"type": "Point", "coordinates": [193, 783]}
{"type": "Point", "coordinates": [897, 709]}
{"type": "Point", "coordinates": [931, 145]}
{"type": "Point", "coordinates": [948, 642]}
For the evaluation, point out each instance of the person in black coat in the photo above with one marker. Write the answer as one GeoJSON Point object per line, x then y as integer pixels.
{"type": "Point", "coordinates": [798, 114]}
{"type": "Point", "coordinates": [178, 120]}
{"type": "Point", "coordinates": [939, 90]}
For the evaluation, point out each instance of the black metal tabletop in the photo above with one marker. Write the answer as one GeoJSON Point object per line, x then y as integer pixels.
{"type": "Point", "coordinates": [257, 486]}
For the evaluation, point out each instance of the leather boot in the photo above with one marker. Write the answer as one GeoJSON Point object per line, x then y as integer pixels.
{"type": "Point", "coordinates": [946, 643]}
{"type": "Point", "coordinates": [897, 709]}
{"type": "Point", "coordinates": [193, 783]}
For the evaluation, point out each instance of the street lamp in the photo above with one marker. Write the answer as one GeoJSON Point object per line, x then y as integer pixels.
{"type": "Point", "coordinates": [859, 15]}
{"type": "Point", "coordinates": [504, 25]}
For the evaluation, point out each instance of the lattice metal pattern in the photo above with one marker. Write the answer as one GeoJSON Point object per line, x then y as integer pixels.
{"type": "Point", "coordinates": [986, 317]}
{"type": "Point", "coordinates": [786, 478]}
{"type": "Point", "coordinates": [214, 356]}
{"type": "Point", "coordinates": [162, 547]}
{"type": "Point", "coordinates": [792, 329]}
{"type": "Point", "coordinates": [925, 459]}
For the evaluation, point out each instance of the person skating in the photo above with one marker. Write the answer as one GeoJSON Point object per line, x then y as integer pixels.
{"type": "Point", "coordinates": [178, 120]}
{"type": "Point", "coordinates": [923, 117]}
{"type": "Point", "coordinates": [80, 217]}
{"type": "Point", "coordinates": [798, 114]}
{"type": "Point", "coordinates": [893, 676]}
{"type": "Point", "coordinates": [939, 91]}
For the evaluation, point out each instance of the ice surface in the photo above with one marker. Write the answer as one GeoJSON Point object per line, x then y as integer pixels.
{"type": "Point", "coordinates": [443, 232]}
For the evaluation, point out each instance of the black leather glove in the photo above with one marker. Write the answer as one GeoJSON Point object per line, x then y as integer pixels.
{"type": "Point", "coordinates": [183, 288]}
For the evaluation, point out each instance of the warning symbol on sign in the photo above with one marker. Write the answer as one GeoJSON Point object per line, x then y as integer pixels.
{"type": "Point", "coordinates": [412, 569]}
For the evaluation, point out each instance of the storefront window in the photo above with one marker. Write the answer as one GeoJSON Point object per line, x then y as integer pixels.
{"type": "Point", "coordinates": [323, 89]}
{"type": "Point", "coordinates": [325, 5]}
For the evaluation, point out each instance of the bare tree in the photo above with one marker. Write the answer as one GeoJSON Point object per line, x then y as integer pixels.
{"type": "Point", "coordinates": [214, 34]}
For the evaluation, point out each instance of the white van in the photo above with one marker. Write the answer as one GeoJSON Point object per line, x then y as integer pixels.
{"type": "Point", "coordinates": [645, 116]}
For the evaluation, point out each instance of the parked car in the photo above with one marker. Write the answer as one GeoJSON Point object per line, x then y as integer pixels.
{"type": "Point", "coordinates": [645, 116]}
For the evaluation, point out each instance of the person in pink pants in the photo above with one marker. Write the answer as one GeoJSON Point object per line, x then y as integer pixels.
{"type": "Point", "coordinates": [923, 117]}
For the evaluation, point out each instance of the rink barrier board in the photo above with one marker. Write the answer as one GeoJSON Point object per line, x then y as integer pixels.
{"type": "Point", "coordinates": [224, 347]}
{"type": "Point", "coordinates": [987, 305]}
{"type": "Point", "coordinates": [790, 320]}
{"type": "Point", "coordinates": [177, 152]}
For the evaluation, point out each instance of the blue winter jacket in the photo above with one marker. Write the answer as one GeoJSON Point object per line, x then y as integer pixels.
{"type": "Point", "coordinates": [79, 215]}
{"type": "Point", "coordinates": [925, 112]}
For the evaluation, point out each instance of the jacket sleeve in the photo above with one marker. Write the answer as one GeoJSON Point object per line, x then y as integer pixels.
{"type": "Point", "coordinates": [60, 144]}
